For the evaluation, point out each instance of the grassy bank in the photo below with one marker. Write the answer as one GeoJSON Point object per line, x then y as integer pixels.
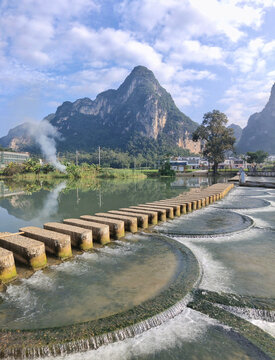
{"type": "Point", "coordinates": [103, 173]}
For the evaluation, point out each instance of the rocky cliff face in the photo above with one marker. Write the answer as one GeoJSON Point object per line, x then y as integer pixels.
{"type": "Point", "coordinates": [140, 107]}
{"type": "Point", "coordinates": [259, 134]}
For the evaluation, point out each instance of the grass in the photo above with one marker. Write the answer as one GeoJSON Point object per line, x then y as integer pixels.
{"type": "Point", "coordinates": [104, 173]}
{"type": "Point", "coordinates": [108, 173]}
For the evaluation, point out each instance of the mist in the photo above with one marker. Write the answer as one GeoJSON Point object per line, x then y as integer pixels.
{"type": "Point", "coordinates": [44, 134]}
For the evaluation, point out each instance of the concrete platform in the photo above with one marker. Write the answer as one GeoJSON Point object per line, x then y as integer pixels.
{"type": "Point", "coordinates": [166, 205]}
{"type": "Point", "coordinates": [142, 219]}
{"type": "Point", "coordinates": [7, 266]}
{"type": "Point", "coordinates": [161, 212]}
{"type": "Point", "coordinates": [195, 203]}
{"type": "Point", "coordinates": [101, 232]}
{"type": "Point", "coordinates": [25, 250]}
{"type": "Point", "coordinates": [130, 223]}
{"type": "Point", "coordinates": [152, 214]}
{"type": "Point", "coordinates": [182, 206]}
{"type": "Point", "coordinates": [55, 243]}
{"type": "Point", "coordinates": [169, 208]}
{"type": "Point", "coordinates": [80, 238]}
{"type": "Point", "coordinates": [116, 226]}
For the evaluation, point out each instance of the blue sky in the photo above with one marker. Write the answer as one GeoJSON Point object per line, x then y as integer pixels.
{"type": "Point", "coordinates": [208, 54]}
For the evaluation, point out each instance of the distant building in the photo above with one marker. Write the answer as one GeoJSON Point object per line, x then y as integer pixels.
{"type": "Point", "coordinates": [179, 164]}
{"type": "Point", "coordinates": [7, 157]}
{"type": "Point", "coordinates": [233, 163]}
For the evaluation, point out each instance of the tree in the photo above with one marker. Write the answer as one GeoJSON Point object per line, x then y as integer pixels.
{"type": "Point", "coordinates": [13, 169]}
{"type": "Point", "coordinates": [218, 138]}
{"type": "Point", "coordinates": [166, 170]}
{"type": "Point", "coordinates": [257, 157]}
{"type": "Point", "coordinates": [47, 168]}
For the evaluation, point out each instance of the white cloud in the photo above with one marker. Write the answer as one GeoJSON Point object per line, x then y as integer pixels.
{"type": "Point", "coordinates": [71, 49]}
{"type": "Point", "coordinates": [193, 17]}
{"type": "Point", "coordinates": [192, 51]}
{"type": "Point", "coordinates": [185, 96]}
{"type": "Point", "coordinates": [247, 96]}
{"type": "Point", "coordinates": [113, 45]}
{"type": "Point", "coordinates": [253, 57]}
{"type": "Point", "coordinates": [91, 82]}
{"type": "Point", "coordinates": [33, 29]}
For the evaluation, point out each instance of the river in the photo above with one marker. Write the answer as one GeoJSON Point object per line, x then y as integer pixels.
{"type": "Point", "coordinates": [233, 242]}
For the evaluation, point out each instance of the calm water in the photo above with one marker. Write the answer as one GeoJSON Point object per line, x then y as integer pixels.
{"type": "Point", "coordinates": [233, 240]}
{"type": "Point", "coordinates": [34, 204]}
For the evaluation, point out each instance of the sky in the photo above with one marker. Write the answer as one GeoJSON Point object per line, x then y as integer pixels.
{"type": "Point", "coordinates": [209, 54]}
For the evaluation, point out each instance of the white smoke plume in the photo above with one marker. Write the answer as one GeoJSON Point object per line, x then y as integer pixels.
{"type": "Point", "coordinates": [44, 135]}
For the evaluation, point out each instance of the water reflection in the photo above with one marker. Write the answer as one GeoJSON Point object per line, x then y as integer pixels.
{"type": "Point", "coordinates": [39, 202]}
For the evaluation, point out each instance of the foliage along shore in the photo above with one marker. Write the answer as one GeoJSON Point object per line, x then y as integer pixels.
{"type": "Point", "coordinates": [33, 170]}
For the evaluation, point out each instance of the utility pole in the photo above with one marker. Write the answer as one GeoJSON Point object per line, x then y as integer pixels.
{"type": "Point", "coordinates": [76, 158]}
{"type": "Point", "coordinates": [99, 155]}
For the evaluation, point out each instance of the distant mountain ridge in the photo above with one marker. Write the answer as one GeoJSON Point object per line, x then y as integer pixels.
{"type": "Point", "coordinates": [139, 111]}
{"type": "Point", "coordinates": [237, 132]}
{"type": "Point", "coordinates": [259, 134]}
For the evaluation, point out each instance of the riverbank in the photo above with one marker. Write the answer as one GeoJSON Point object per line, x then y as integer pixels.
{"type": "Point", "coordinates": [79, 173]}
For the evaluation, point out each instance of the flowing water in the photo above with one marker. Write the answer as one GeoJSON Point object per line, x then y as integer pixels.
{"type": "Point", "coordinates": [233, 241]}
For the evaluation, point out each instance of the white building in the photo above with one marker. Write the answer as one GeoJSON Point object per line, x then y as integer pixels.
{"type": "Point", "coordinates": [233, 163]}
{"type": "Point", "coordinates": [7, 157]}
{"type": "Point", "coordinates": [180, 163]}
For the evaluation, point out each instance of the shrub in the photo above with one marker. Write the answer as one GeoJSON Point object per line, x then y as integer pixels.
{"type": "Point", "coordinates": [13, 169]}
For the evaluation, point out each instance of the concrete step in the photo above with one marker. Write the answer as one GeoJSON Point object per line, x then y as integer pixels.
{"type": "Point", "coordinates": [169, 209]}
{"type": "Point", "coordinates": [55, 243]}
{"type": "Point", "coordinates": [130, 223]}
{"type": "Point", "coordinates": [101, 232]}
{"type": "Point", "coordinates": [7, 266]}
{"type": "Point", "coordinates": [117, 230]}
{"type": "Point", "coordinates": [152, 215]}
{"type": "Point", "coordinates": [80, 238]}
{"type": "Point", "coordinates": [172, 203]}
{"type": "Point", "coordinates": [25, 250]}
{"type": "Point", "coordinates": [142, 219]}
{"type": "Point", "coordinates": [168, 206]}
{"type": "Point", "coordinates": [161, 212]}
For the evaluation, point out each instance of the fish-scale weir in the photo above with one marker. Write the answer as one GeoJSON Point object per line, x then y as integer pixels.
{"type": "Point", "coordinates": [31, 245]}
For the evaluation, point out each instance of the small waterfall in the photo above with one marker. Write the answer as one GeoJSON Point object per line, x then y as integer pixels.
{"type": "Point", "coordinates": [94, 342]}
{"type": "Point", "coordinates": [249, 313]}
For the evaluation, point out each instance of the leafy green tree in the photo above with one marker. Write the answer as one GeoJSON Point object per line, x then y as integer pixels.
{"type": "Point", "coordinates": [166, 170]}
{"type": "Point", "coordinates": [13, 169]}
{"type": "Point", "coordinates": [257, 157]}
{"type": "Point", "coordinates": [73, 171]}
{"type": "Point", "coordinates": [218, 138]}
{"type": "Point", "coordinates": [47, 168]}
{"type": "Point", "coordinates": [31, 165]}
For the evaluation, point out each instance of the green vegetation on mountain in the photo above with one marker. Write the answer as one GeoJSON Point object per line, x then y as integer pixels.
{"type": "Point", "coordinates": [140, 117]}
